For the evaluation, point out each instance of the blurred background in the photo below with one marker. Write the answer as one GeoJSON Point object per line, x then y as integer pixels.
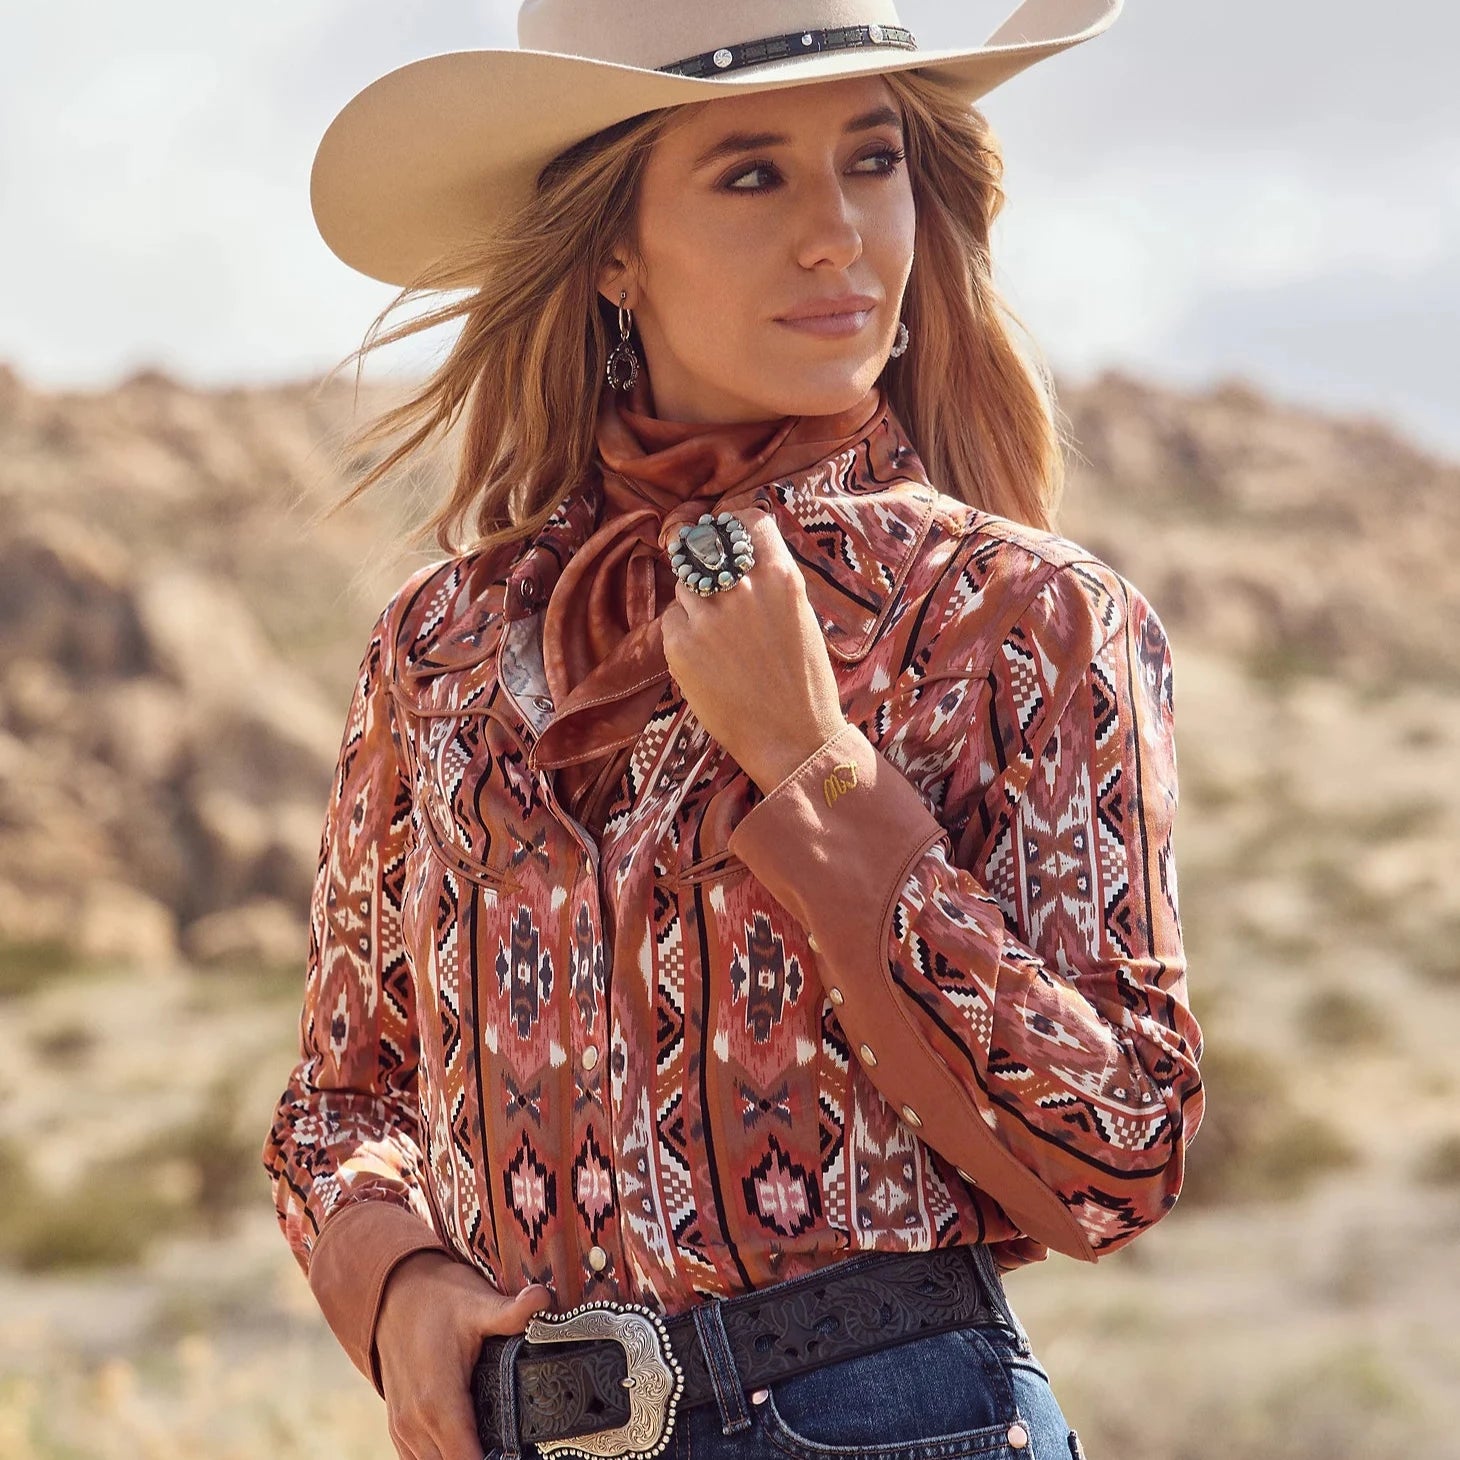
{"type": "Point", "coordinates": [1235, 233]}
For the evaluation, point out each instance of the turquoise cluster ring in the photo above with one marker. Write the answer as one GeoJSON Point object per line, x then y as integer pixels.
{"type": "Point", "coordinates": [712, 554]}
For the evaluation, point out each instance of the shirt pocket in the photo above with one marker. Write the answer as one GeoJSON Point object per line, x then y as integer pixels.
{"type": "Point", "coordinates": [474, 793]}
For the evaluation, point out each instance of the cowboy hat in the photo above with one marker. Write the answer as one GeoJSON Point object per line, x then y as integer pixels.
{"type": "Point", "coordinates": [425, 158]}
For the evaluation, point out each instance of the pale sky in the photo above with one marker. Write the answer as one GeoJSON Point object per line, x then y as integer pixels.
{"type": "Point", "coordinates": [1270, 190]}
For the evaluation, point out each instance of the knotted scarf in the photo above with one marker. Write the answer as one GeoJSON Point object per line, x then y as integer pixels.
{"type": "Point", "coordinates": [602, 638]}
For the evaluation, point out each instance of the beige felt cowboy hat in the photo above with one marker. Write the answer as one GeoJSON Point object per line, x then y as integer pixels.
{"type": "Point", "coordinates": [425, 158]}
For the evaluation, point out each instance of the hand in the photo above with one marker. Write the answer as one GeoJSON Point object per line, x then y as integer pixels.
{"type": "Point", "coordinates": [752, 661]}
{"type": "Point", "coordinates": [435, 1314]}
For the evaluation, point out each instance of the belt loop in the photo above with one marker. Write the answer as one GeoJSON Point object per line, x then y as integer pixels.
{"type": "Point", "coordinates": [983, 1260]}
{"type": "Point", "coordinates": [720, 1361]}
{"type": "Point", "coordinates": [511, 1447]}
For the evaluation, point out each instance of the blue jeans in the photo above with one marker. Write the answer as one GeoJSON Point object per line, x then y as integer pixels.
{"type": "Point", "coordinates": [977, 1391]}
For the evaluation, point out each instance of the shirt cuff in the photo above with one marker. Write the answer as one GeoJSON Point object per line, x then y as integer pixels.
{"type": "Point", "coordinates": [357, 1249]}
{"type": "Point", "coordinates": [835, 841]}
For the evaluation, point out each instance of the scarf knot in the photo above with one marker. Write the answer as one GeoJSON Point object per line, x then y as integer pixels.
{"type": "Point", "coordinates": [603, 647]}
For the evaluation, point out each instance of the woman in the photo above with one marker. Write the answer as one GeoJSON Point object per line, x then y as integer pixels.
{"type": "Point", "coordinates": [746, 923]}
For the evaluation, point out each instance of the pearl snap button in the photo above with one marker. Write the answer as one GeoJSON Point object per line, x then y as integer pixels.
{"type": "Point", "coordinates": [1018, 1436]}
{"type": "Point", "coordinates": [867, 1055]}
{"type": "Point", "coordinates": [760, 1396]}
{"type": "Point", "coordinates": [597, 1259]}
{"type": "Point", "coordinates": [836, 996]}
{"type": "Point", "coordinates": [815, 946]}
{"type": "Point", "coordinates": [911, 1116]}
{"type": "Point", "coordinates": [590, 1057]}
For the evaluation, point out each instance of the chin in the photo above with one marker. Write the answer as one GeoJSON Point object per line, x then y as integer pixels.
{"type": "Point", "coordinates": [826, 391]}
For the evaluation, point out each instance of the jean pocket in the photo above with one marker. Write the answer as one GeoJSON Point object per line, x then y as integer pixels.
{"type": "Point", "coordinates": [933, 1398]}
{"type": "Point", "coordinates": [1047, 1433]}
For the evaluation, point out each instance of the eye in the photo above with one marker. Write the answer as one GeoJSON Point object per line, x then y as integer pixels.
{"type": "Point", "coordinates": [736, 176]}
{"type": "Point", "coordinates": [891, 157]}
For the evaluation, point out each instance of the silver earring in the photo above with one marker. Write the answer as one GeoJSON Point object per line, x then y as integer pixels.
{"type": "Point", "coordinates": [900, 348]}
{"type": "Point", "coordinates": [623, 352]}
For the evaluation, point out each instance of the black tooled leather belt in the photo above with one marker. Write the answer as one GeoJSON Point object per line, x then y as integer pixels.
{"type": "Point", "coordinates": [619, 1372]}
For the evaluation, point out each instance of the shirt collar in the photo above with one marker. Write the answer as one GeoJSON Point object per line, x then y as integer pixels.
{"type": "Point", "coordinates": [854, 521]}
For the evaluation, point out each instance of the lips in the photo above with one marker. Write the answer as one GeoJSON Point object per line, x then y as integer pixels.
{"type": "Point", "coordinates": [842, 304]}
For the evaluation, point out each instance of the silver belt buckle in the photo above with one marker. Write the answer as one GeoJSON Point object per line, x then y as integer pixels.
{"type": "Point", "coordinates": [655, 1379]}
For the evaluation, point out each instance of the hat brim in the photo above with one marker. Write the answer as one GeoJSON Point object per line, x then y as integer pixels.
{"type": "Point", "coordinates": [426, 157]}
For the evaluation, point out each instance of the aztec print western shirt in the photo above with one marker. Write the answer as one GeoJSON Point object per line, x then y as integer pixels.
{"type": "Point", "coordinates": [929, 990]}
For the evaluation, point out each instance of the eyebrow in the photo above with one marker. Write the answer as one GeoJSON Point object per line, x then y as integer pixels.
{"type": "Point", "coordinates": [737, 142]}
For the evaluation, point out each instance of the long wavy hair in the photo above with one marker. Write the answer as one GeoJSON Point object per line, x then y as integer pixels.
{"type": "Point", "coordinates": [526, 368]}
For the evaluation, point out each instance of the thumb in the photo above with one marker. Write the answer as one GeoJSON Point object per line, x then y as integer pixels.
{"type": "Point", "coordinates": [512, 1313]}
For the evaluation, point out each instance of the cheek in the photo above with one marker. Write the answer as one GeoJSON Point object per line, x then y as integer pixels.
{"type": "Point", "coordinates": [695, 298]}
{"type": "Point", "coordinates": [891, 230]}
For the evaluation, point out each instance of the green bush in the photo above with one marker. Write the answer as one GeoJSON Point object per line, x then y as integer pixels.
{"type": "Point", "coordinates": [1253, 1144]}
{"type": "Point", "coordinates": [1338, 1018]}
{"type": "Point", "coordinates": [192, 1177]}
{"type": "Point", "coordinates": [26, 966]}
{"type": "Point", "coordinates": [1440, 1165]}
{"type": "Point", "coordinates": [107, 1218]}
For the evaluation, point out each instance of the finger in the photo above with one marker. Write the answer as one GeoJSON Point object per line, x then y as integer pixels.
{"type": "Point", "coordinates": [764, 530]}
{"type": "Point", "coordinates": [456, 1428]}
{"type": "Point", "coordinates": [404, 1448]}
{"type": "Point", "coordinates": [500, 1314]}
{"type": "Point", "coordinates": [454, 1415]}
{"type": "Point", "coordinates": [419, 1431]}
{"type": "Point", "coordinates": [427, 1450]}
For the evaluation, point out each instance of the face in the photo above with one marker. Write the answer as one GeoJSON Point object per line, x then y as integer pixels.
{"type": "Point", "coordinates": [751, 209]}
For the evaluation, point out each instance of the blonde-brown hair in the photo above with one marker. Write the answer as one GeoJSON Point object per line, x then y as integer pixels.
{"type": "Point", "coordinates": [527, 366]}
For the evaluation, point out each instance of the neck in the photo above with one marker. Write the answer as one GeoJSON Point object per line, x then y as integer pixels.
{"type": "Point", "coordinates": [696, 405]}
{"type": "Point", "coordinates": [659, 457]}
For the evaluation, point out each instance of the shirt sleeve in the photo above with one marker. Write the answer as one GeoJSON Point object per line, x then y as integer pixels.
{"type": "Point", "coordinates": [344, 1152]}
{"type": "Point", "coordinates": [1010, 970]}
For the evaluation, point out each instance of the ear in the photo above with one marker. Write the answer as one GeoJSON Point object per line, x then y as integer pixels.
{"type": "Point", "coordinates": [614, 280]}
{"type": "Point", "coordinates": [622, 274]}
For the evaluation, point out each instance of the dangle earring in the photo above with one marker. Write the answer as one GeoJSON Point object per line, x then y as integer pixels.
{"type": "Point", "coordinates": [900, 348]}
{"type": "Point", "coordinates": [623, 352]}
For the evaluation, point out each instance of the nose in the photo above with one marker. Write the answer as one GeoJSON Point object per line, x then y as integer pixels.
{"type": "Point", "coordinates": [829, 229]}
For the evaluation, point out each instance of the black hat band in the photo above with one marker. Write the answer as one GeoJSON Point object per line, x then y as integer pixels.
{"type": "Point", "coordinates": [794, 43]}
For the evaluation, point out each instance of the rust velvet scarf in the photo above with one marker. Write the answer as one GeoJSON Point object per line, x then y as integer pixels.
{"type": "Point", "coordinates": [603, 648]}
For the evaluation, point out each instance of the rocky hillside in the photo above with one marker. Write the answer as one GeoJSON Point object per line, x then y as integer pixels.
{"type": "Point", "coordinates": [176, 649]}
{"type": "Point", "coordinates": [177, 637]}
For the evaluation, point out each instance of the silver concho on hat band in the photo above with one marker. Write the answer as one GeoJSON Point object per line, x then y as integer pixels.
{"type": "Point", "coordinates": [712, 554]}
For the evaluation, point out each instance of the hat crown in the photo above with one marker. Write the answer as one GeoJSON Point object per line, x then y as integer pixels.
{"type": "Point", "coordinates": [655, 33]}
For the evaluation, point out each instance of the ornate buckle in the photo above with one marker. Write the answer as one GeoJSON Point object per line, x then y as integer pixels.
{"type": "Point", "coordinates": [654, 1380]}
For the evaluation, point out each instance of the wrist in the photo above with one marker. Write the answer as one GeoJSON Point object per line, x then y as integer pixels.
{"type": "Point", "coordinates": [771, 772]}
{"type": "Point", "coordinates": [415, 1267]}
